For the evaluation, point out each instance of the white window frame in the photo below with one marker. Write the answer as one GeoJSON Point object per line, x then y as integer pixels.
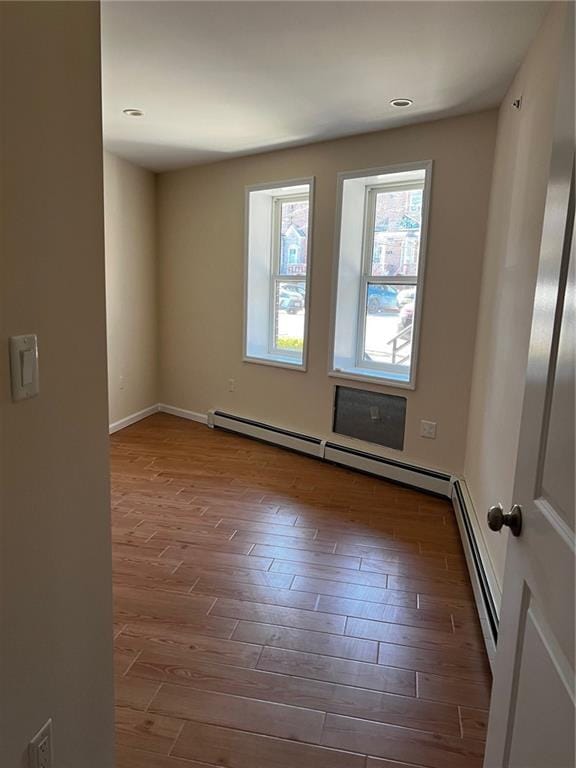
{"type": "Point", "coordinates": [368, 278]}
{"type": "Point", "coordinates": [272, 356]}
{"type": "Point", "coordinates": [276, 277]}
{"type": "Point", "coordinates": [365, 370]}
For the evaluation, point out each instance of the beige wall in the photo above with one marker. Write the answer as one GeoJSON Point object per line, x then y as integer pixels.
{"type": "Point", "coordinates": [510, 265]}
{"type": "Point", "coordinates": [130, 216]}
{"type": "Point", "coordinates": [201, 252]}
{"type": "Point", "coordinates": [55, 623]}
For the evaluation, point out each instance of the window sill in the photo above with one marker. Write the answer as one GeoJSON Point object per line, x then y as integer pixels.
{"type": "Point", "coordinates": [276, 362]}
{"type": "Point", "coordinates": [373, 377]}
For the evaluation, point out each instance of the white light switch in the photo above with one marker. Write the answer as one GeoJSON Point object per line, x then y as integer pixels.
{"type": "Point", "coordinates": [24, 366]}
{"type": "Point", "coordinates": [28, 358]}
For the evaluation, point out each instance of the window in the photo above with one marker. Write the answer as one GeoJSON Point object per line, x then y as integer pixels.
{"type": "Point", "coordinates": [380, 269]}
{"type": "Point", "coordinates": [277, 263]}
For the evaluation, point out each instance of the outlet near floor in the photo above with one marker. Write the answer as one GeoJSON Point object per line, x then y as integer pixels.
{"type": "Point", "coordinates": [40, 748]}
{"type": "Point", "coordinates": [428, 429]}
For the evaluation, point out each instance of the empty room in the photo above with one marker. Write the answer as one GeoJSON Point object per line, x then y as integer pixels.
{"type": "Point", "coordinates": [288, 397]}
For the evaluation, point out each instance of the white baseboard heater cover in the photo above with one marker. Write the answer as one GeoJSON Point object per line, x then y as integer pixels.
{"type": "Point", "coordinates": [482, 576]}
{"type": "Point", "coordinates": [397, 471]}
{"type": "Point", "coordinates": [293, 440]}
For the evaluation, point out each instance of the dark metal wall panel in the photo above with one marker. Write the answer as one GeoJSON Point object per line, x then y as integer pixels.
{"type": "Point", "coordinates": [370, 416]}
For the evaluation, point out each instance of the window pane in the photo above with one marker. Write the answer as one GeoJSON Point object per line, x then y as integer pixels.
{"type": "Point", "coordinates": [397, 232]}
{"type": "Point", "coordinates": [389, 318]}
{"type": "Point", "coordinates": [289, 312]}
{"type": "Point", "coordinates": [293, 237]}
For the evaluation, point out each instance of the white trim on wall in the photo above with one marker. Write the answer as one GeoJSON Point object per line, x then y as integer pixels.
{"type": "Point", "coordinates": [357, 373]}
{"type": "Point", "coordinates": [271, 359]}
{"type": "Point", "coordinates": [133, 418]}
{"type": "Point", "coordinates": [201, 418]}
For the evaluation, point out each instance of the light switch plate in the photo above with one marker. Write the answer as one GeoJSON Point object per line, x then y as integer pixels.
{"type": "Point", "coordinates": [24, 366]}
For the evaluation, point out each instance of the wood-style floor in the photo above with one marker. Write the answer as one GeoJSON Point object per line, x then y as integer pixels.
{"type": "Point", "coordinates": [273, 611]}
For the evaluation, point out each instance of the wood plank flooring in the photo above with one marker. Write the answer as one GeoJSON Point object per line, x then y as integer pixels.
{"type": "Point", "coordinates": [272, 611]}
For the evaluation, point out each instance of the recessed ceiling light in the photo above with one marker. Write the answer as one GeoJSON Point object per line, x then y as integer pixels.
{"type": "Point", "coordinates": [133, 112]}
{"type": "Point", "coordinates": [401, 103]}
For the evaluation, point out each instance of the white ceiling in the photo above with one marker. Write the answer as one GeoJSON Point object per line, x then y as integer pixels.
{"type": "Point", "coordinates": [219, 79]}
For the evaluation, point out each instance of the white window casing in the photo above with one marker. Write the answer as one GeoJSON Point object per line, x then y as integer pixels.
{"type": "Point", "coordinates": [353, 278]}
{"type": "Point", "coordinates": [263, 274]}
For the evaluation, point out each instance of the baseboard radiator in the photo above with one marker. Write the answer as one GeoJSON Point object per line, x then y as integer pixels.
{"type": "Point", "coordinates": [484, 583]}
{"type": "Point", "coordinates": [396, 471]}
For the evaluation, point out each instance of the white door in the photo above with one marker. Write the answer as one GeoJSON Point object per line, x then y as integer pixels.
{"type": "Point", "coordinates": [532, 712]}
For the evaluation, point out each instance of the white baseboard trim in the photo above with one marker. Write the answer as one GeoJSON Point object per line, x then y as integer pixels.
{"type": "Point", "coordinates": [201, 418]}
{"type": "Point", "coordinates": [485, 586]}
{"type": "Point", "coordinates": [132, 419]}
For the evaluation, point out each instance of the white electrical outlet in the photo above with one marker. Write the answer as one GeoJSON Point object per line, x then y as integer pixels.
{"type": "Point", "coordinates": [428, 429]}
{"type": "Point", "coordinates": [231, 385]}
{"type": "Point", "coordinates": [40, 748]}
